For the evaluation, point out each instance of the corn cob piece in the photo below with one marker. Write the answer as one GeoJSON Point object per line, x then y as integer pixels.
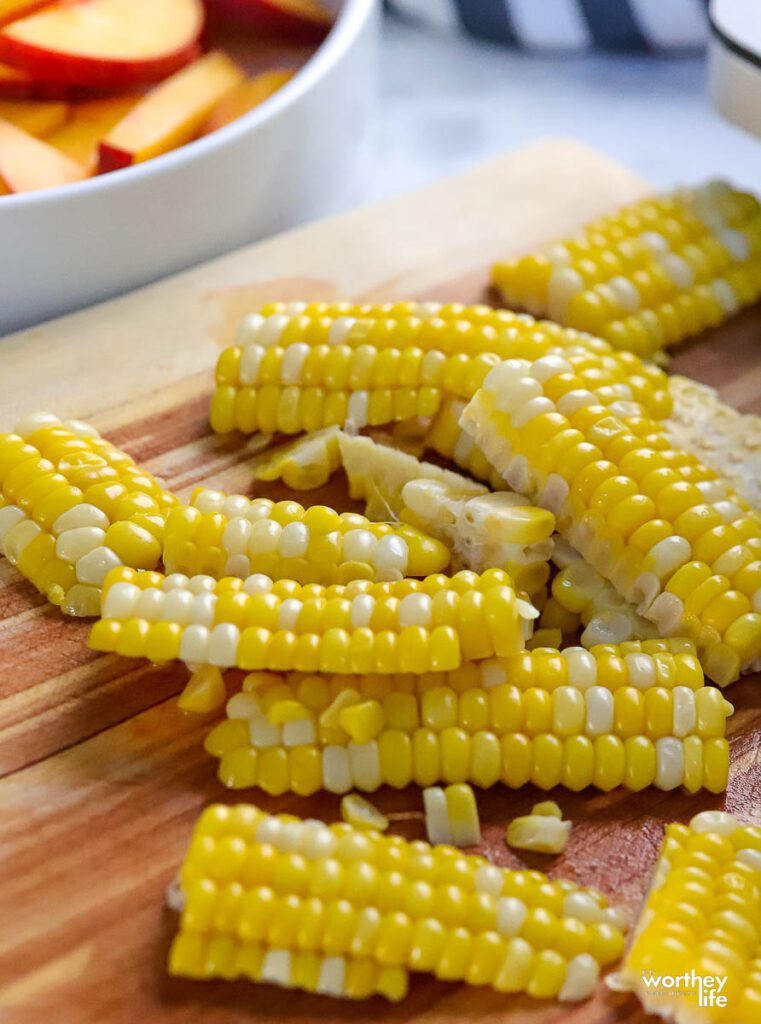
{"type": "Point", "coordinates": [230, 535]}
{"type": "Point", "coordinates": [74, 508]}
{"type": "Point", "coordinates": [377, 474]}
{"type": "Point", "coordinates": [501, 529]}
{"type": "Point", "coordinates": [580, 590]}
{"type": "Point", "coordinates": [349, 913]}
{"type": "Point", "coordinates": [543, 830]}
{"type": "Point", "coordinates": [451, 815]}
{"type": "Point", "coordinates": [726, 440]}
{"type": "Point", "coordinates": [652, 274]}
{"type": "Point", "coordinates": [634, 715]}
{"type": "Point", "coordinates": [674, 540]}
{"type": "Point", "coordinates": [305, 464]}
{"type": "Point", "coordinates": [695, 955]}
{"type": "Point", "coordinates": [411, 626]}
{"type": "Point", "coordinates": [300, 374]}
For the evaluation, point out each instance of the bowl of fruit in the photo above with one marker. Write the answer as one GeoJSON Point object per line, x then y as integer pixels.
{"type": "Point", "coordinates": [138, 137]}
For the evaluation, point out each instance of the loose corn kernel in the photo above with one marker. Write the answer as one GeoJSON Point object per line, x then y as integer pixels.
{"type": "Point", "coordinates": [361, 814]}
{"type": "Point", "coordinates": [451, 815]}
{"type": "Point", "coordinates": [204, 691]}
{"type": "Point", "coordinates": [542, 831]}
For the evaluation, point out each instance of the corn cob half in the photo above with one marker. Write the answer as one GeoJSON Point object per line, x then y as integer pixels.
{"type": "Point", "coordinates": [231, 535]}
{"type": "Point", "coordinates": [633, 715]}
{"type": "Point", "coordinates": [673, 538]}
{"type": "Point", "coordinates": [698, 936]}
{"type": "Point", "coordinates": [349, 913]}
{"type": "Point", "coordinates": [652, 274]}
{"type": "Point", "coordinates": [410, 626]}
{"type": "Point", "coordinates": [73, 508]}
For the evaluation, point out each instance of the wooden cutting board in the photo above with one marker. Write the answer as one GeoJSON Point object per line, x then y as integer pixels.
{"type": "Point", "coordinates": [102, 776]}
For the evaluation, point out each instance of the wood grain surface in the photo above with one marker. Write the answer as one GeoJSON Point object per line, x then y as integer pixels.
{"type": "Point", "coordinates": [102, 777]}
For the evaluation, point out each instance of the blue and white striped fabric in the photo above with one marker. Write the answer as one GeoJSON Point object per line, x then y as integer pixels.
{"type": "Point", "coordinates": [654, 25]}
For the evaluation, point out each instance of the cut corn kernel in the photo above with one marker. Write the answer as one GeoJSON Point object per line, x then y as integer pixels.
{"type": "Point", "coordinates": [361, 814]}
{"type": "Point", "coordinates": [451, 815]}
{"type": "Point", "coordinates": [652, 274]}
{"type": "Point", "coordinates": [204, 692]}
{"type": "Point", "coordinates": [411, 626]}
{"type": "Point", "coordinates": [74, 507]}
{"type": "Point", "coordinates": [230, 535]}
{"type": "Point", "coordinates": [655, 521]}
{"type": "Point", "coordinates": [632, 715]}
{"type": "Point", "coordinates": [697, 937]}
{"type": "Point", "coordinates": [349, 912]}
{"type": "Point", "coordinates": [306, 463]}
{"type": "Point", "coordinates": [542, 831]}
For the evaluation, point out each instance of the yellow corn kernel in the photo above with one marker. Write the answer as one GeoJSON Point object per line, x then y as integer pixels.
{"type": "Point", "coordinates": [360, 813]}
{"type": "Point", "coordinates": [205, 691]}
{"type": "Point", "coordinates": [543, 833]}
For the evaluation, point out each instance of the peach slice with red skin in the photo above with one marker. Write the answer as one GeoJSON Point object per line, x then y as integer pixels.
{"type": "Point", "coordinates": [10, 10]}
{"type": "Point", "coordinates": [104, 43]}
{"type": "Point", "coordinates": [246, 96]}
{"type": "Point", "coordinates": [28, 164]}
{"type": "Point", "coordinates": [171, 114]}
{"type": "Point", "coordinates": [38, 117]}
{"type": "Point", "coordinates": [88, 123]}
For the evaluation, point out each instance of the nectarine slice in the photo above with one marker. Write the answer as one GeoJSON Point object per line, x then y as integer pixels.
{"type": "Point", "coordinates": [38, 117]}
{"type": "Point", "coordinates": [302, 17]}
{"type": "Point", "coordinates": [108, 43]}
{"type": "Point", "coordinates": [28, 164]}
{"type": "Point", "coordinates": [245, 97]}
{"type": "Point", "coordinates": [12, 9]}
{"type": "Point", "coordinates": [88, 123]}
{"type": "Point", "coordinates": [171, 114]}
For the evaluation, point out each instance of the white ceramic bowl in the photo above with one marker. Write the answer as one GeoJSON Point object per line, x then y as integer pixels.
{"type": "Point", "coordinates": [734, 61]}
{"type": "Point", "coordinates": [272, 168]}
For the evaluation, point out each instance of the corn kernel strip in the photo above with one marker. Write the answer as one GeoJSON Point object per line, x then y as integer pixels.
{"type": "Point", "coordinates": [672, 537]}
{"type": "Point", "coordinates": [652, 274]}
{"type": "Point", "coordinates": [267, 890]}
{"type": "Point", "coordinates": [633, 715]}
{"type": "Point", "coordinates": [231, 535]}
{"type": "Point", "coordinates": [451, 815]}
{"type": "Point", "coordinates": [543, 830]}
{"type": "Point", "coordinates": [296, 374]}
{"type": "Point", "coordinates": [73, 507]}
{"type": "Point", "coordinates": [411, 626]}
{"type": "Point", "coordinates": [699, 927]}
{"type": "Point", "coordinates": [306, 463]}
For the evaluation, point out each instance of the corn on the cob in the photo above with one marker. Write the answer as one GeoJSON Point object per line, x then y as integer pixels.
{"type": "Point", "coordinates": [451, 815]}
{"type": "Point", "coordinates": [377, 474]}
{"type": "Point", "coordinates": [580, 590]}
{"type": "Point", "coordinates": [231, 535]}
{"type": "Point", "coordinates": [725, 439]}
{"type": "Point", "coordinates": [698, 936]}
{"type": "Point", "coordinates": [348, 913]}
{"type": "Point", "coordinates": [650, 275]}
{"type": "Point", "coordinates": [74, 507]}
{"type": "Point", "coordinates": [542, 831]}
{"type": "Point", "coordinates": [411, 626]}
{"type": "Point", "coordinates": [674, 540]}
{"type": "Point", "coordinates": [298, 374]}
{"type": "Point", "coordinates": [501, 529]}
{"type": "Point", "coordinates": [634, 715]}
{"type": "Point", "coordinates": [306, 463]}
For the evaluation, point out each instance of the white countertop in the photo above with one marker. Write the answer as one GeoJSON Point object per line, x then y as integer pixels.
{"type": "Point", "coordinates": [448, 103]}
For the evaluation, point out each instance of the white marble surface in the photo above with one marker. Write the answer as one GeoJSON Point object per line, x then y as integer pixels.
{"type": "Point", "coordinates": [448, 103]}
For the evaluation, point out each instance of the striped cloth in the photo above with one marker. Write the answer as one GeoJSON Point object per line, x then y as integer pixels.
{"type": "Point", "coordinates": [570, 24]}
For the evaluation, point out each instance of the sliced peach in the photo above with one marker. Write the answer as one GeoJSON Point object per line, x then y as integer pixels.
{"type": "Point", "coordinates": [171, 114]}
{"type": "Point", "coordinates": [12, 9]}
{"type": "Point", "coordinates": [245, 97]}
{"type": "Point", "coordinates": [38, 117]}
{"type": "Point", "coordinates": [301, 17]}
{"type": "Point", "coordinates": [28, 164]}
{"type": "Point", "coordinates": [105, 43]}
{"type": "Point", "coordinates": [88, 123]}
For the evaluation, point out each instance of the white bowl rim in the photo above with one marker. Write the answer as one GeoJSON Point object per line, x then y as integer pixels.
{"type": "Point", "coordinates": [350, 20]}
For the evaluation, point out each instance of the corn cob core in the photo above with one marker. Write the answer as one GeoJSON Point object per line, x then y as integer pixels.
{"type": "Point", "coordinates": [295, 895]}
{"type": "Point", "coordinates": [501, 529]}
{"type": "Point", "coordinates": [580, 590]}
{"type": "Point", "coordinates": [674, 540]}
{"type": "Point", "coordinates": [300, 373]}
{"type": "Point", "coordinates": [74, 507]}
{"type": "Point", "coordinates": [651, 275]}
{"type": "Point", "coordinates": [231, 535]}
{"type": "Point", "coordinates": [635, 714]}
{"type": "Point", "coordinates": [701, 920]}
{"type": "Point", "coordinates": [409, 626]}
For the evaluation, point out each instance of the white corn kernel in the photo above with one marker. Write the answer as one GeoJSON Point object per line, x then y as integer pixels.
{"type": "Point", "coordinates": [71, 545]}
{"type": "Point", "coordinates": [391, 557]}
{"type": "Point", "coordinates": [714, 821]}
{"type": "Point", "coordinates": [365, 766]}
{"type": "Point", "coordinates": [685, 714]}
{"type": "Point", "coordinates": [150, 605]}
{"type": "Point", "coordinates": [600, 711]}
{"type": "Point", "coordinates": [582, 975]}
{"type": "Point", "coordinates": [436, 815]}
{"type": "Point", "coordinates": [120, 601]}
{"type": "Point", "coordinates": [336, 769]}
{"type": "Point", "coordinates": [511, 915]}
{"type": "Point", "coordinates": [235, 536]}
{"type": "Point", "coordinates": [265, 538]}
{"type": "Point", "coordinates": [292, 362]}
{"type": "Point", "coordinates": [223, 644]}
{"type": "Point", "coordinates": [359, 546]}
{"type": "Point", "coordinates": [194, 645]}
{"type": "Point", "coordinates": [243, 705]}
{"type": "Point", "coordinates": [276, 967]}
{"type": "Point", "coordinates": [299, 732]}
{"type": "Point", "coordinates": [288, 613]}
{"type": "Point", "coordinates": [202, 584]}
{"type": "Point", "coordinates": [415, 610]}
{"type": "Point", "coordinates": [362, 607]}
{"type": "Point", "coordinates": [204, 606]}
{"type": "Point", "coordinates": [257, 584]}
{"type": "Point", "coordinates": [178, 606]}
{"type": "Point", "coordinates": [96, 565]}
{"type": "Point", "coordinates": [18, 538]}
{"type": "Point", "coordinates": [248, 329]}
{"type": "Point", "coordinates": [669, 759]}
{"type": "Point", "coordinates": [80, 516]}
{"type": "Point", "coordinates": [10, 516]}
